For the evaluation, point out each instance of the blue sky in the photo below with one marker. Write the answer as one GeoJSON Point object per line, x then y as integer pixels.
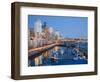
{"type": "Point", "coordinates": [66, 25]}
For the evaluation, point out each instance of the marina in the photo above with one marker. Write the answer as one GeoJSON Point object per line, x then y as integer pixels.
{"type": "Point", "coordinates": [59, 54]}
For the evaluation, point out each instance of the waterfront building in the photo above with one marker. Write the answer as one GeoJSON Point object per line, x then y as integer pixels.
{"type": "Point", "coordinates": [51, 30]}
{"type": "Point", "coordinates": [57, 35]}
{"type": "Point", "coordinates": [35, 42]}
{"type": "Point", "coordinates": [42, 34]}
{"type": "Point", "coordinates": [30, 39]}
{"type": "Point", "coordinates": [38, 27]}
{"type": "Point", "coordinates": [30, 42]}
{"type": "Point", "coordinates": [28, 36]}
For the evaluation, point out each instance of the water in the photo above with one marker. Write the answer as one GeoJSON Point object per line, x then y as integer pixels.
{"type": "Point", "coordinates": [70, 54]}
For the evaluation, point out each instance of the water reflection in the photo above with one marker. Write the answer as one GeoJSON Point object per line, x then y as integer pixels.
{"type": "Point", "coordinates": [62, 55]}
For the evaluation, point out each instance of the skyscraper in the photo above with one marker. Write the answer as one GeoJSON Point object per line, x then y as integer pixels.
{"type": "Point", "coordinates": [37, 27]}
{"type": "Point", "coordinates": [44, 25]}
{"type": "Point", "coordinates": [58, 35]}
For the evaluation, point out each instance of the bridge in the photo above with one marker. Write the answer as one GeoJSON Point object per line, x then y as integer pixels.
{"type": "Point", "coordinates": [35, 52]}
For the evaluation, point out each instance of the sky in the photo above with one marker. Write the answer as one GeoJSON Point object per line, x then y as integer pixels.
{"type": "Point", "coordinates": [69, 27]}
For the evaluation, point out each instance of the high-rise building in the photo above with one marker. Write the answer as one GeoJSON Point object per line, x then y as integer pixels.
{"type": "Point", "coordinates": [44, 25]}
{"type": "Point", "coordinates": [38, 27]}
{"type": "Point", "coordinates": [51, 33]}
{"type": "Point", "coordinates": [57, 35]}
{"type": "Point", "coordinates": [51, 30]}
{"type": "Point", "coordinates": [28, 33]}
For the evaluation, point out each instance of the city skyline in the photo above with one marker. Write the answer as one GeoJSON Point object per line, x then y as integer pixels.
{"type": "Point", "coordinates": [63, 24]}
{"type": "Point", "coordinates": [52, 40]}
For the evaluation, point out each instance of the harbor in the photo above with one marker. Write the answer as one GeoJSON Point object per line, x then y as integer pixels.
{"type": "Point", "coordinates": [62, 53]}
{"type": "Point", "coordinates": [48, 46]}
